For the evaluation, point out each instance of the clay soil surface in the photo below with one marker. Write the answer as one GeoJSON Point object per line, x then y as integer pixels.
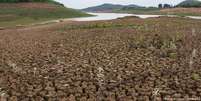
{"type": "Point", "coordinates": [126, 59]}
{"type": "Point", "coordinates": [191, 11]}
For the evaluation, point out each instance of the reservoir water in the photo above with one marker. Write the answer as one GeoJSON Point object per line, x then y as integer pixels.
{"type": "Point", "coordinates": [111, 16]}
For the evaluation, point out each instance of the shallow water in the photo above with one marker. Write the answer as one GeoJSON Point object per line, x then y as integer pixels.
{"type": "Point", "coordinates": [195, 17]}
{"type": "Point", "coordinates": [111, 16]}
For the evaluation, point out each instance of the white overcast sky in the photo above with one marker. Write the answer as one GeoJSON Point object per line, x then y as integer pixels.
{"type": "Point", "coordinates": [78, 4]}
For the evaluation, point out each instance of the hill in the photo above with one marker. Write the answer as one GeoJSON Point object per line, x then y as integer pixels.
{"type": "Point", "coordinates": [190, 3]}
{"type": "Point", "coordinates": [138, 10]}
{"type": "Point", "coordinates": [17, 1]}
{"type": "Point", "coordinates": [107, 7]}
{"type": "Point", "coordinates": [28, 1]}
{"type": "Point", "coordinates": [12, 14]}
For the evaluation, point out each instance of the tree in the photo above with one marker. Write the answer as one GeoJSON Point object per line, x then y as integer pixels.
{"type": "Point", "coordinates": [160, 5]}
{"type": "Point", "coordinates": [167, 6]}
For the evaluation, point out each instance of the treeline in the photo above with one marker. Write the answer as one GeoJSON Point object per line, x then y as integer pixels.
{"type": "Point", "coordinates": [185, 4]}
{"type": "Point", "coordinates": [165, 6]}
{"type": "Point", "coordinates": [16, 1]}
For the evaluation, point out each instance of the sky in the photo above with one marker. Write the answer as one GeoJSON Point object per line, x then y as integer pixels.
{"type": "Point", "coordinates": [79, 4]}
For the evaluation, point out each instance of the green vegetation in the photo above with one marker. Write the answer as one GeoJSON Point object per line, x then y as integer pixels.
{"type": "Point", "coordinates": [195, 76]}
{"type": "Point", "coordinates": [13, 15]}
{"type": "Point", "coordinates": [108, 7]}
{"type": "Point", "coordinates": [189, 3]}
{"type": "Point", "coordinates": [23, 1]}
{"type": "Point", "coordinates": [166, 43]}
{"type": "Point", "coordinates": [15, 1]}
{"type": "Point", "coordinates": [182, 12]}
{"type": "Point", "coordinates": [100, 25]}
{"type": "Point", "coordinates": [141, 10]}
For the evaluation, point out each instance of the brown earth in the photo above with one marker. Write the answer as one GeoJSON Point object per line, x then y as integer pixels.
{"type": "Point", "coordinates": [120, 60]}
{"type": "Point", "coordinates": [182, 10]}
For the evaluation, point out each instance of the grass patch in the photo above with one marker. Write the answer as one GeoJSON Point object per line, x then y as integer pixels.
{"type": "Point", "coordinates": [15, 16]}
{"type": "Point", "coordinates": [138, 10]}
{"type": "Point", "coordinates": [157, 11]}
{"type": "Point", "coordinates": [165, 44]}
{"type": "Point", "coordinates": [99, 25]}
{"type": "Point", "coordinates": [195, 76]}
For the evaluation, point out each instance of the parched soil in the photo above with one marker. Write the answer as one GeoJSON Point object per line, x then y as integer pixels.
{"type": "Point", "coordinates": [126, 59]}
{"type": "Point", "coordinates": [29, 5]}
{"type": "Point", "coordinates": [182, 10]}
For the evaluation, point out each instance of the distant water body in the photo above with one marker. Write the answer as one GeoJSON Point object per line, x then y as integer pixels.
{"type": "Point", "coordinates": [111, 16]}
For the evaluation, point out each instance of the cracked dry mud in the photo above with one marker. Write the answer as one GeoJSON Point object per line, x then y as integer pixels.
{"type": "Point", "coordinates": [126, 59]}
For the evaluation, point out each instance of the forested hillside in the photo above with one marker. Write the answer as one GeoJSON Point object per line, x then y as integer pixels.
{"type": "Point", "coordinates": [14, 1]}
{"type": "Point", "coordinates": [189, 3]}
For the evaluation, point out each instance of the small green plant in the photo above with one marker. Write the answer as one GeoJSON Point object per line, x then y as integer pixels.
{"type": "Point", "coordinates": [195, 76]}
{"type": "Point", "coordinates": [99, 25]}
{"type": "Point", "coordinates": [172, 55]}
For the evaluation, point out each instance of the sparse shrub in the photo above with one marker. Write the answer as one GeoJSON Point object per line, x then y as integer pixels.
{"type": "Point", "coordinates": [157, 41]}
{"type": "Point", "coordinates": [195, 76]}
{"type": "Point", "coordinates": [140, 41]}
{"type": "Point", "coordinates": [173, 55]}
{"type": "Point", "coordinates": [99, 25]}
